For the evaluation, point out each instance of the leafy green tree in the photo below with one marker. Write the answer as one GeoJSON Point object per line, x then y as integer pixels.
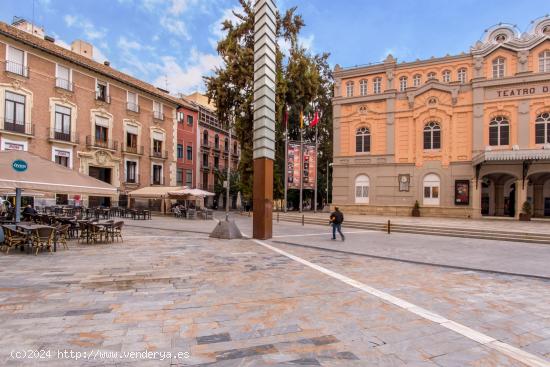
{"type": "Point", "coordinates": [301, 81]}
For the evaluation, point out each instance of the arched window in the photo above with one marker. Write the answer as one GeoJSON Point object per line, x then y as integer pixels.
{"type": "Point", "coordinates": [417, 79]}
{"type": "Point", "coordinates": [217, 141]}
{"type": "Point", "coordinates": [362, 184]}
{"type": "Point", "coordinates": [432, 76]}
{"type": "Point", "coordinates": [363, 87]}
{"type": "Point", "coordinates": [446, 76]}
{"type": "Point", "coordinates": [431, 187]}
{"type": "Point", "coordinates": [542, 128]}
{"type": "Point", "coordinates": [432, 136]}
{"type": "Point", "coordinates": [205, 137]}
{"type": "Point", "coordinates": [461, 75]}
{"type": "Point", "coordinates": [403, 83]}
{"type": "Point", "coordinates": [349, 88]}
{"type": "Point", "coordinates": [544, 61]}
{"type": "Point", "coordinates": [226, 145]}
{"type": "Point", "coordinates": [362, 140]}
{"type": "Point", "coordinates": [499, 131]}
{"type": "Point", "coordinates": [499, 65]}
{"type": "Point", "coordinates": [377, 85]}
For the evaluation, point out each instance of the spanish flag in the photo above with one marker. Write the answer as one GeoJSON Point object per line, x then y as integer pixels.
{"type": "Point", "coordinates": [301, 119]}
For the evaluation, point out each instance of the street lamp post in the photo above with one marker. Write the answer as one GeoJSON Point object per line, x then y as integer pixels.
{"type": "Point", "coordinates": [328, 165]}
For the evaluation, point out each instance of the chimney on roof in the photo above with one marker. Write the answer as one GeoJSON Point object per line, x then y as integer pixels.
{"type": "Point", "coordinates": [106, 63]}
{"type": "Point", "coordinates": [83, 48]}
{"type": "Point", "coordinates": [26, 26]}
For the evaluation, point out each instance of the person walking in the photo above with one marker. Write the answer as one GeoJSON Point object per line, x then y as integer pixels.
{"type": "Point", "coordinates": [336, 220]}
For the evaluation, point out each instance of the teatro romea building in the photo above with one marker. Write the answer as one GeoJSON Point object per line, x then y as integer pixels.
{"type": "Point", "coordinates": [465, 135]}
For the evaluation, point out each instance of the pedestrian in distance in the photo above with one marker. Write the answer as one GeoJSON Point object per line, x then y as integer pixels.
{"type": "Point", "coordinates": [336, 220]}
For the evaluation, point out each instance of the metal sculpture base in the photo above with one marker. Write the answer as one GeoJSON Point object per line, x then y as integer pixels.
{"type": "Point", "coordinates": [227, 230]}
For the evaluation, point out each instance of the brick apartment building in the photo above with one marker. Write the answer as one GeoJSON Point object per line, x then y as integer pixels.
{"type": "Point", "coordinates": [62, 105]}
{"type": "Point", "coordinates": [215, 150]}
{"type": "Point", "coordinates": [187, 140]}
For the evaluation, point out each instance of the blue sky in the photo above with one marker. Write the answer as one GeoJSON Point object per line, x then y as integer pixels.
{"type": "Point", "coordinates": [173, 41]}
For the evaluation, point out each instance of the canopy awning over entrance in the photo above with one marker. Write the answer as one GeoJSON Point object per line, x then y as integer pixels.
{"type": "Point", "coordinates": [187, 192]}
{"type": "Point", "coordinates": [512, 155]}
{"type": "Point", "coordinates": [155, 192]}
{"type": "Point", "coordinates": [32, 172]}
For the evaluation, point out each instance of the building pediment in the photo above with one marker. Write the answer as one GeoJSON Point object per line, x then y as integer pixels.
{"type": "Point", "coordinates": [433, 86]}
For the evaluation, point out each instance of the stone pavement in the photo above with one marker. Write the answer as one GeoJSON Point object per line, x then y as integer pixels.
{"type": "Point", "coordinates": [236, 303]}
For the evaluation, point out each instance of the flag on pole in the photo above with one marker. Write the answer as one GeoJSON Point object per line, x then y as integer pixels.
{"type": "Point", "coordinates": [301, 119]}
{"type": "Point", "coordinates": [315, 120]}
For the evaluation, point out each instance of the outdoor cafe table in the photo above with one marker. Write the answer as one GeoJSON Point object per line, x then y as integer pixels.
{"type": "Point", "coordinates": [31, 227]}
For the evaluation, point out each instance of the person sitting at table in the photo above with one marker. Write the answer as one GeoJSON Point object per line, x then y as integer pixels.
{"type": "Point", "coordinates": [28, 213]}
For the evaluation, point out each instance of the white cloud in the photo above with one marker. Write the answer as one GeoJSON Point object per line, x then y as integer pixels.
{"type": "Point", "coordinates": [307, 42]}
{"type": "Point", "coordinates": [180, 6]}
{"type": "Point", "coordinates": [187, 79]}
{"type": "Point", "coordinates": [175, 26]}
{"type": "Point", "coordinates": [91, 31]}
{"type": "Point", "coordinates": [125, 45]}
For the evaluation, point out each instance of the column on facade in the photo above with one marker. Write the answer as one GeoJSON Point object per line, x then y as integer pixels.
{"type": "Point", "coordinates": [476, 198]}
{"type": "Point", "coordinates": [499, 199]}
{"type": "Point", "coordinates": [538, 200]}
{"type": "Point", "coordinates": [521, 196]}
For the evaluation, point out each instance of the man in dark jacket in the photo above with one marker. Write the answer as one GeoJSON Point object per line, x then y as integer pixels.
{"type": "Point", "coordinates": [336, 219]}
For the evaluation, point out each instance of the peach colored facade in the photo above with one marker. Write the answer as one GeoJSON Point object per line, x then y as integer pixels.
{"type": "Point", "coordinates": [70, 120]}
{"type": "Point", "coordinates": [465, 135]}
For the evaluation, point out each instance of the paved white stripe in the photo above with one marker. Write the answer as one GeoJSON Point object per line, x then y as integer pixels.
{"type": "Point", "coordinates": [511, 351]}
{"type": "Point", "coordinates": [320, 234]}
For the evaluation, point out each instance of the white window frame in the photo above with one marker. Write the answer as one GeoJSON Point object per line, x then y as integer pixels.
{"type": "Point", "coordinates": [446, 76]}
{"type": "Point", "coordinates": [363, 87]}
{"type": "Point", "coordinates": [431, 181]}
{"type": "Point", "coordinates": [417, 80]}
{"type": "Point", "coordinates": [69, 81]}
{"type": "Point", "coordinates": [136, 161]}
{"type": "Point", "coordinates": [350, 85]}
{"type": "Point", "coordinates": [431, 76]}
{"type": "Point", "coordinates": [153, 164]}
{"type": "Point", "coordinates": [377, 85]}
{"type": "Point", "coordinates": [64, 150]}
{"type": "Point", "coordinates": [499, 67]}
{"type": "Point", "coordinates": [362, 187]}
{"type": "Point", "coordinates": [462, 75]}
{"type": "Point", "coordinates": [544, 61]}
{"type": "Point", "coordinates": [25, 65]}
{"type": "Point", "coordinates": [128, 93]}
{"type": "Point", "coordinates": [403, 83]}
{"type": "Point", "coordinates": [99, 81]}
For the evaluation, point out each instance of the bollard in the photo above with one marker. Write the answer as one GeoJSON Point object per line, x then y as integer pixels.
{"type": "Point", "coordinates": [303, 219]}
{"type": "Point", "coordinates": [389, 227]}
{"type": "Point", "coordinates": [277, 217]}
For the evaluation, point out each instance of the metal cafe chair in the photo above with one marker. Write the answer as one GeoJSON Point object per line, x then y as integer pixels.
{"type": "Point", "coordinates": [42, 238]}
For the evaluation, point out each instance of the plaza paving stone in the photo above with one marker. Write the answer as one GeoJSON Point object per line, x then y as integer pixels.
{"type": "Point", "coordinates": [236, 303]}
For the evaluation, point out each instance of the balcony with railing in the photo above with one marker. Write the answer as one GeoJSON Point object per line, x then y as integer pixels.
{"type": "Point", "coordinates": [102, 97]}
{"type": "Point", "coordinates": [64, 84]}
{"type": "Point", "coordinates": [66, 136]}
{"type": "Point", "coordinates": [133, 149]}
{"type": "Point", "coordinates": [206, 187]}
{"type": "Point", "coordinates": [157, 181]}
{"type": "Point", "coordinates": [19, 127]}
{"type": "Point", "coordinates": [16, 68]}
{"type": "Point", "coordinates": [205, 165]}
{"type": "Point", "coordinates": [132, 181]}
{"type": "Point", "coordinates": [161, 154]}
{"type": "Point", "coordinates": [157, 115]}
{"type": "Point", "coordinates": [91, 142]}
{"type": "Point", "coordinates": [134, 107]}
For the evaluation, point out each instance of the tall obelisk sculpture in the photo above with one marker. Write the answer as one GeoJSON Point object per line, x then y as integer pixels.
{"type": "Point", "coordinates": [264, 116]}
